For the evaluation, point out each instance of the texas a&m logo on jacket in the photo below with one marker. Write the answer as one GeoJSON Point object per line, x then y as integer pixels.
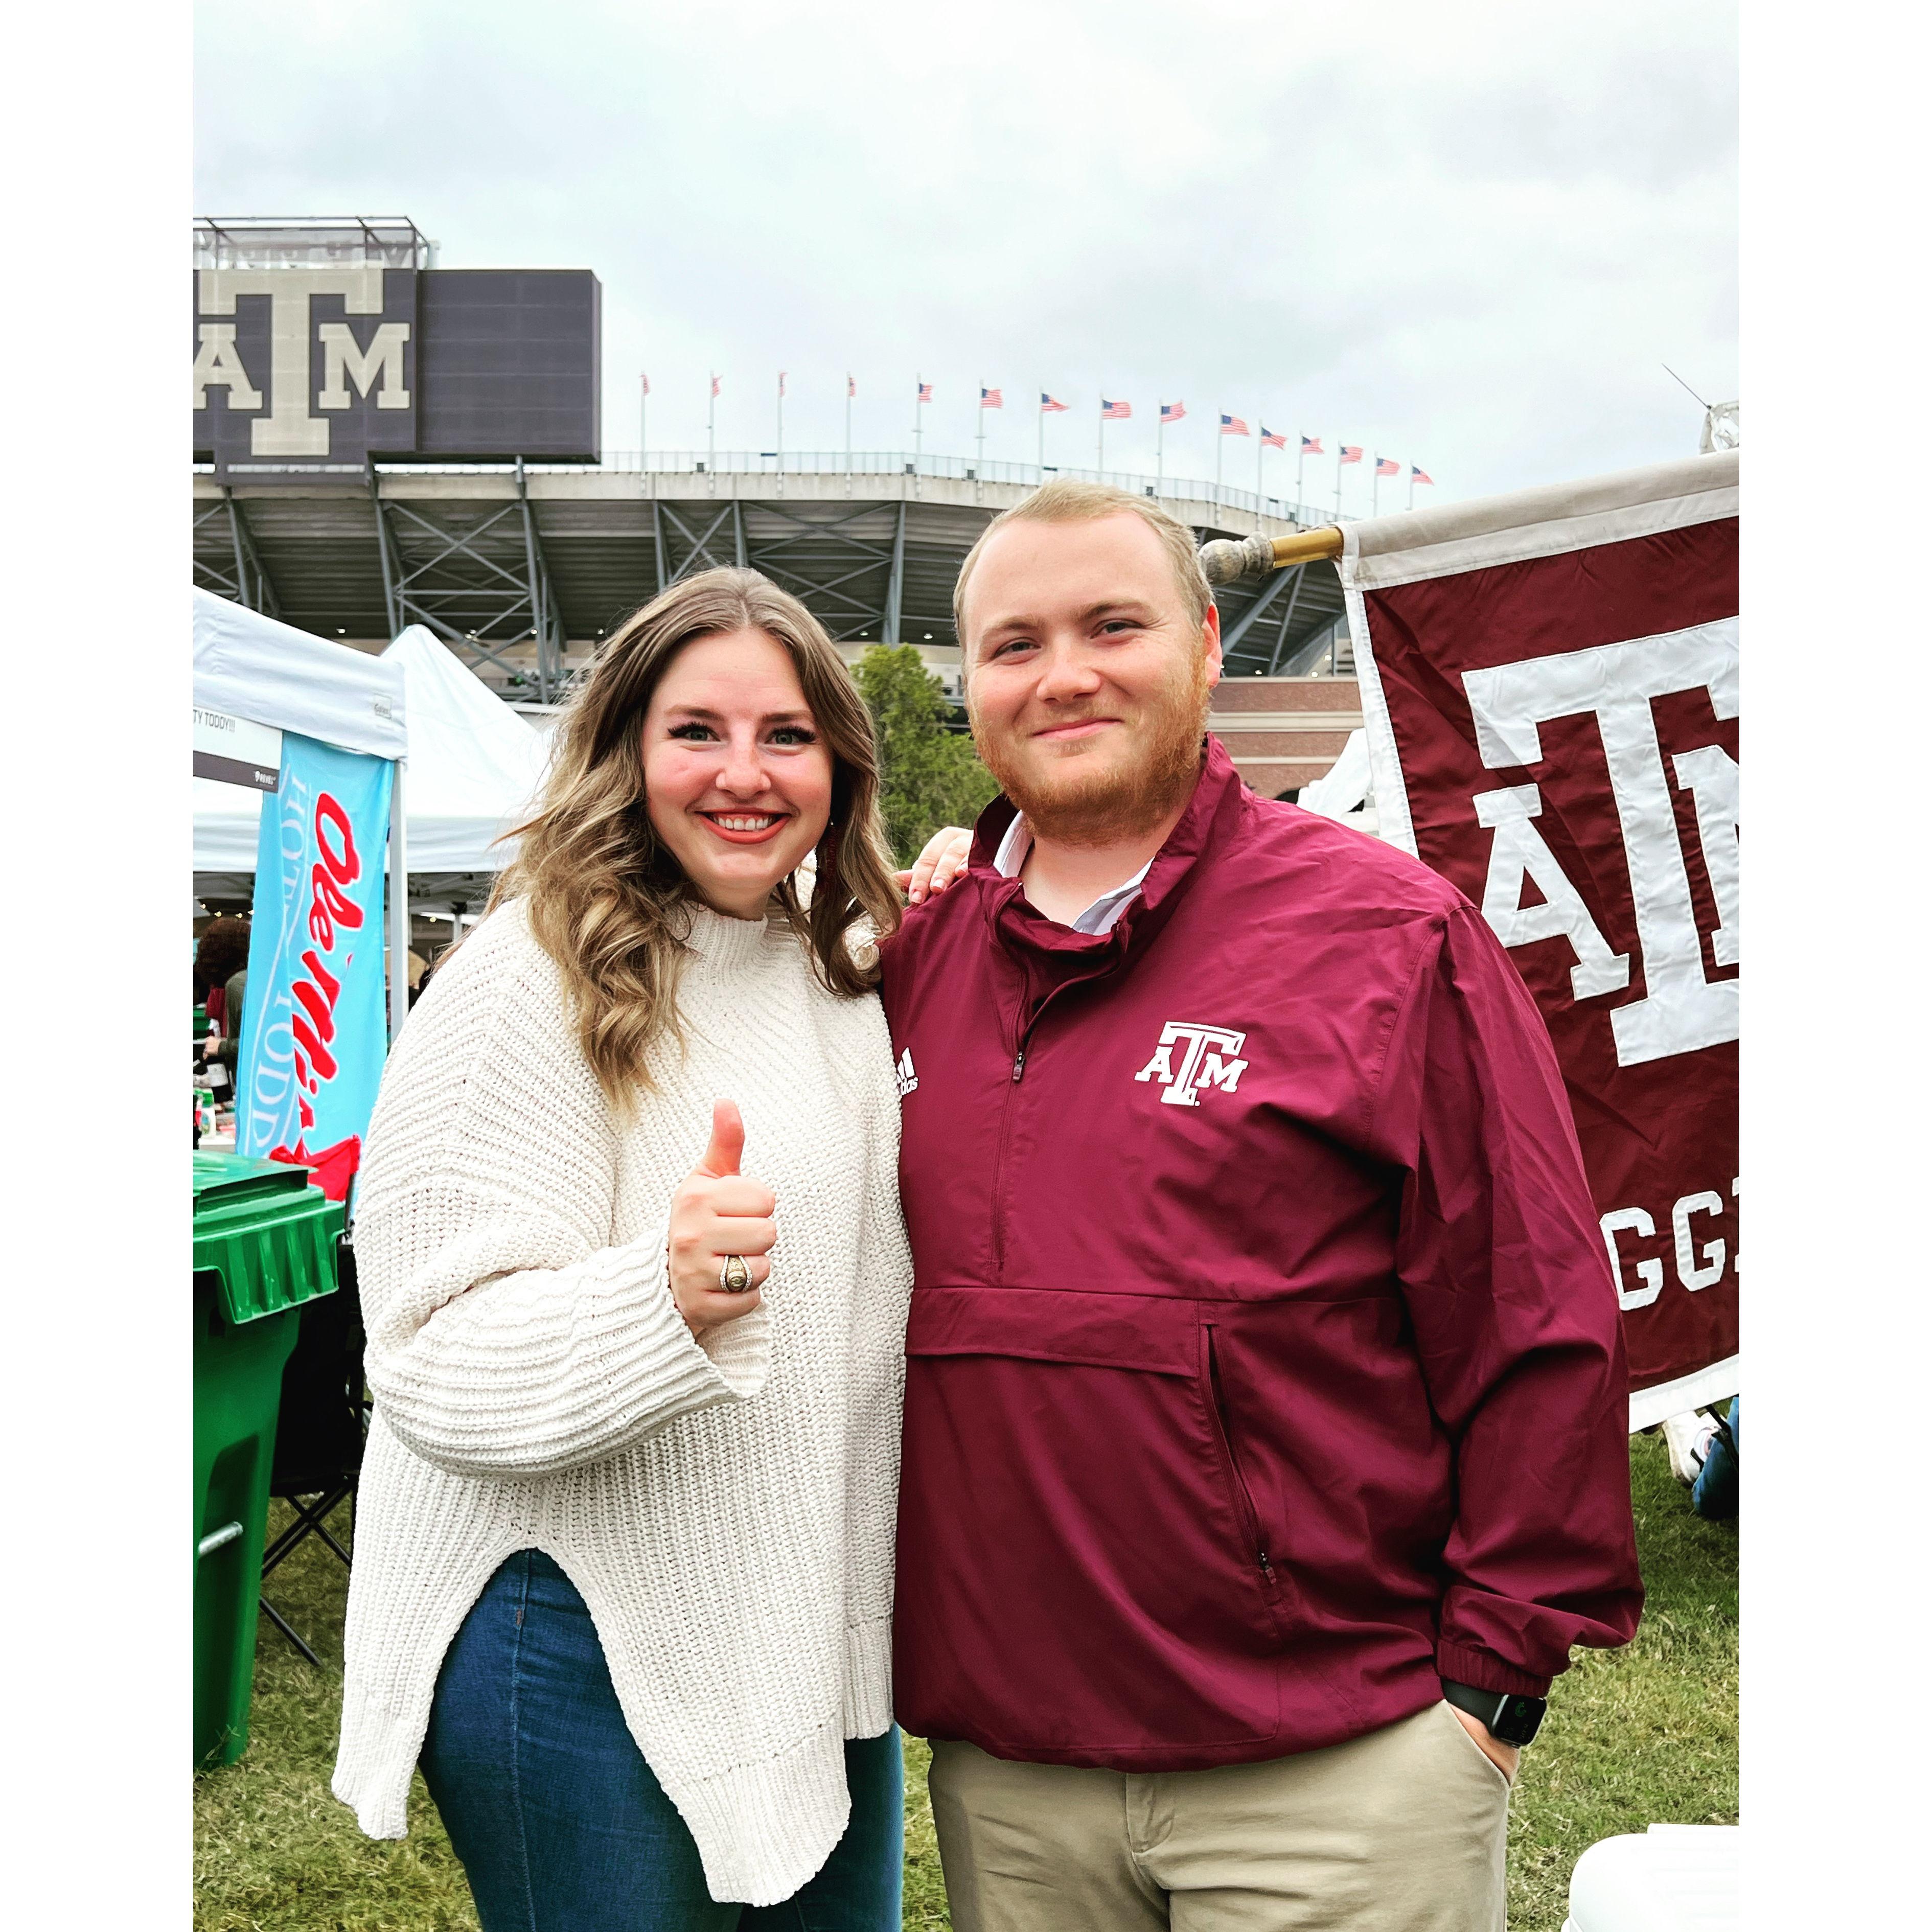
{"type": "Point", "coordinates": [1207, 1057]}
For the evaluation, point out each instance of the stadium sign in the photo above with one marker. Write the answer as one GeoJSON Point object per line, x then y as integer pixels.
{"type": "Point", "coordinates": [299, 366]}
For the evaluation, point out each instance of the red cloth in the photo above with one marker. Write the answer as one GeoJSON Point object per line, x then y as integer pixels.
{"type": "Point", "coordinates": [215, 1006]}
{"type": "Point", "coordinates": [332, 1168]}
{"type": "Point", "coordinates": [1254, 1377]}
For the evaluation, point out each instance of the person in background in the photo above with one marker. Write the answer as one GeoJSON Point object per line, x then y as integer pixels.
{"type": "Point", "coordinates": [220, 985]}
{"type": "Point", "coordinates": [1704, 1454]}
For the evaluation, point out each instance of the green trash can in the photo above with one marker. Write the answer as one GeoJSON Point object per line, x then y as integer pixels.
{"type": "Point", "coordinates": [264, 1244]}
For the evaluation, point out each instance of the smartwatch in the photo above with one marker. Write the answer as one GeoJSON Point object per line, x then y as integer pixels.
{"type": "Point", "coordinates": [1509, 1719]}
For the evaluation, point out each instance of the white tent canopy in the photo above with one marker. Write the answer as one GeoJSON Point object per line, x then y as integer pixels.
{"type": "Point", "coordinates": [474, 765]}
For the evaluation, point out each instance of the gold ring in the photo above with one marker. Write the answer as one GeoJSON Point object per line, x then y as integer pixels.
{"type": "Point", "coordinates": [734, 1274]}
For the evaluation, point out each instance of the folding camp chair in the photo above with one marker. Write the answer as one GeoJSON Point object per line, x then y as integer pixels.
{"type": "Point", "coordinates": [323, 1424]}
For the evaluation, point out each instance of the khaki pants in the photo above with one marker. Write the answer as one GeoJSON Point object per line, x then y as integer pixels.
{"type": "Point", "coordinates": [1399, 1830]}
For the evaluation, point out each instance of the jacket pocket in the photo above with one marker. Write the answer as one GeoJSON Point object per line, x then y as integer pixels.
{"type": "Point", "coordinates": [1255, 1546]}
{"type": "Point", "coordinates": [1078, 1570]}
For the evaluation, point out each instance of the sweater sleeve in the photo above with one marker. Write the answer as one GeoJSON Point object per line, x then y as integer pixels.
{"type": "Point", "coordinates": [509, 1334]}
{"type": "Point", "coordinates": [1516, 1320]}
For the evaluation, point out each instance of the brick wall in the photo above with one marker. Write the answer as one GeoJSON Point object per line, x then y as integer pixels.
{"type": "Point", "coordinates": [1283, 733]}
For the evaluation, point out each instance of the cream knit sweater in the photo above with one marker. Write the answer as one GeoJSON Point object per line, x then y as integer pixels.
{"type": "Point", "coordinates": [727, 1511]}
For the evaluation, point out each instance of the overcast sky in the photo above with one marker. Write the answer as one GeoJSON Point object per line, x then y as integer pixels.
{"type": "Point", "coordinates": [1463, 237]}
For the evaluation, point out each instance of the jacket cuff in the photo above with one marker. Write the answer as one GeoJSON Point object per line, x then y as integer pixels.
{"type": "Point", "coordinates": [1482, 1671]}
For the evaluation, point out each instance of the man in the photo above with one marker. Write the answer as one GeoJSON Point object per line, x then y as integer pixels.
{"type": "Point", "coordinates": [1265, 1428]}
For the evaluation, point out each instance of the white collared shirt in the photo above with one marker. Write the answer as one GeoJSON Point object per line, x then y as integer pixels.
{"type": "Point", "coordinates": [1100, 916]}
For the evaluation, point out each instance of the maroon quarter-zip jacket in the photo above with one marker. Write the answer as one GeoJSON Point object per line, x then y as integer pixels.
{"type": "Point", "coordinates": [1264, 1360]}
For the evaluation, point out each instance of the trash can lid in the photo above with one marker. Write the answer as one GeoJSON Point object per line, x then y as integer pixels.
{"type": "Point", "coordinates": [227, 1178]}
{"type": "Point", "coordinates": [265, 1232]}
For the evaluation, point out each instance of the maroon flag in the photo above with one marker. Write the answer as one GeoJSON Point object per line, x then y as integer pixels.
{"type": "Point", "coordinates": [1549, 683]}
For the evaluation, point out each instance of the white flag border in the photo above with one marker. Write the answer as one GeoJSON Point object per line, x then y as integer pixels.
{"type": "Point", "coordinates": [1383, 552]}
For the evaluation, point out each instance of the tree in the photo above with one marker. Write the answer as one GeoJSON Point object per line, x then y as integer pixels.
{"type": "Point", "coordinates": [928, 776]}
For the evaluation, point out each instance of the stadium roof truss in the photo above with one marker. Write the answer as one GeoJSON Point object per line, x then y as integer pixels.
{"type": "Point", "coordinates": [522, 571]}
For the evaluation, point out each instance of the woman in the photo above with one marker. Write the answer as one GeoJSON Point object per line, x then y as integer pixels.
{"type": "Point", "coordinates": [623, 1560]}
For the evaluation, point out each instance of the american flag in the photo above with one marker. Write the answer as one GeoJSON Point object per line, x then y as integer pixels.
{"type": "Point", "coordinates": [1274, 441]}
{"type": "Point", "coordinates": [925, 392]}
{"type": "Point", "coordinates": [1311, 445]}
{"type": "Point", "coordinates": [645, 379]}
{"type": "Point", "coordinates": [1048, 406]}
{"type": "Point", "coordinates": [1172, 412]}
{"type": "Point", "coordinates": [1233, 426]}
{"type": "Point", "coordinates": [1387, 465]}
{"type": "Point", "coordinates": [1349, 452]}
{"type": "Point", "coordinates": [992, 399]}
{"type": "Point", "coordinates": [782, 376]}
{"type": "Point", "coordinates": [715, 385]}
{"type": "Point", "coordinates": [1416, 475]}
{"type": "Point", "coordinates": [1115, 411]}
{"type": "Point", "coordinates": [851, 387]}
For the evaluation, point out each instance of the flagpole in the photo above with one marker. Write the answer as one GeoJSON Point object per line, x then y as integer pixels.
{"type": "Point", "coordinates": [848, 423]}
{"type": "Point", "coordinates": [1338, 447]}
{"type": "Point", "coordinates": [980, 455]}
{"type": "Point", "coordinates": [711, 427]}
{"type": "Point", "coordinates": [1041, 427]}
{"type": "Point", "coordinates": [1160, 454]}
{"type": "Point", "coordinates": [1300, 463]}
{"type": "Point", "coordinates": [918, 417]}
{"type": "Point", "coordinates": [1411, 486]}
{"type": "Point", "coordinates": [1100, 443]}
{"type": "Point", "coordinates": [643, 417]}
{"type": "Point", "coordinates": [1260, 445]}
{"type": "Point", "coordinates": [1376, 488]}
{"type": "Point", "coordinates": [779, 439]}
{"type": "Point", "coordinates": [1220, 437]}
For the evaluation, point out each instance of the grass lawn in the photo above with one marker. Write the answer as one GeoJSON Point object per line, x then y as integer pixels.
{"type": "Point", "coordinates": [1639, 1736]}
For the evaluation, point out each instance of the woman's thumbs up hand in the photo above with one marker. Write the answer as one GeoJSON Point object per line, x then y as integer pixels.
{"type": "Point", "coordinates": [718, 1211]}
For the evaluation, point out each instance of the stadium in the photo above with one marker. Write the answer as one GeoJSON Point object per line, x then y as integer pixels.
{"type": "Point", "coordinates": [522, 564]}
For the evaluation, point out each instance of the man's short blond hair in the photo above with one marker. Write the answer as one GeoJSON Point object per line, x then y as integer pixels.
{"type": "Point", "coordinates": [1064, 500]}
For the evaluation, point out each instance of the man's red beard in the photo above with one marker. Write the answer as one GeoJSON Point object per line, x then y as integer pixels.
{"type": "Point", "coordinates": [1108, 806]}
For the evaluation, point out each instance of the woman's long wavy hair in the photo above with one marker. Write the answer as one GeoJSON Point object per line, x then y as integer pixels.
{"type": "Point", "coordinates": [606, 899]}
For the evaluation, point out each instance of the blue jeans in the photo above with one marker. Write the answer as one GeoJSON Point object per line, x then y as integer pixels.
{"type": "Point", "coordinates": [561, 1825]}
{"type": "Point", "coordinates": [1714, 1493]}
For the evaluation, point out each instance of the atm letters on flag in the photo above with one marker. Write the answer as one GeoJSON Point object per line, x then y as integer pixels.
{"type": "Point", "coordinates": [314, 1020]}
{"type": "Point", "coordinates": [1549, 684]}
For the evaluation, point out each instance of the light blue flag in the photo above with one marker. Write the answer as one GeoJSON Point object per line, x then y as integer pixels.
{"type": "Point", "coordinates": [314, 1025]}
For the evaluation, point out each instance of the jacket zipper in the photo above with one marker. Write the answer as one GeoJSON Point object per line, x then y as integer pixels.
{"type": "Point", "coordinates": [1024, 1032]}
{"type": "Point", "coordinates": [1224, 1429]}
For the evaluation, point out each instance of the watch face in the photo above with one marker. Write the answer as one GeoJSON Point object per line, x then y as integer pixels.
{"type": "Point", "coordinates": [1518, 1720]}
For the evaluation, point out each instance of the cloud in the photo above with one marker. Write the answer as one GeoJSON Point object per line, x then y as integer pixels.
{"type": "Point", "coordinates": [1465, 237]}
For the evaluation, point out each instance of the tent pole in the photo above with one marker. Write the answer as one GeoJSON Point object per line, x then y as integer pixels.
{"type": "Point", "coordinates": [399, 905]}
